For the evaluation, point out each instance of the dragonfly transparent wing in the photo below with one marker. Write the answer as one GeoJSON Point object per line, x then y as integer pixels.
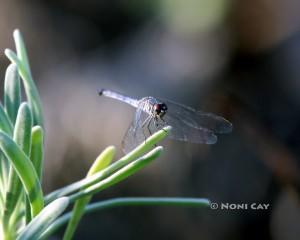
{"type": "Point", "coordinates": [184, 132]}
{"type": "Point", "coordinates": [137, 132]}
{"type": "Point", "coordinates": [198, 119]}
{"type": "Point", "coordinates": [192, 125]}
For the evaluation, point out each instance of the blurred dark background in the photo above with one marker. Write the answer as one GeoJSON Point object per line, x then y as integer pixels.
{"type": "Point", "coordinates": [240, 59]}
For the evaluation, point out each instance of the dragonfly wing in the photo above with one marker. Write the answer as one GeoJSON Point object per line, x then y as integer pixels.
{"type": "Point", "coordinates": [184, 132]}
{"type": "Point", "coordinates": [133, 137]}
{"type": "Point", "coordinates": [135, 133]}
{"type": "Point", "coordinates": [198, 119]}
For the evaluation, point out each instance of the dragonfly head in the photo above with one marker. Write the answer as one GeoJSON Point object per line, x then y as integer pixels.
{"type": "Point", "coordinates": [160, 109]}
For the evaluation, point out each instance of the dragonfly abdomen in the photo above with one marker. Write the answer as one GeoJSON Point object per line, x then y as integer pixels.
{"type": "Point", "coordinates": [112, 94]}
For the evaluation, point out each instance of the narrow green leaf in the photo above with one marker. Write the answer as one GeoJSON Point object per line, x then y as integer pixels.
{"type": "Point", "coordinates": [30, 87]}
{"type": "Point", "coordinates": [22, 131]}
{"type": "Point", "coordinates": [21, 49]}
{"type": "Point", "coordinates": [4, 169]}
{"type": "Point", "coordinates": [22, 137]}
{"type": "Point", "coordinates": [43, 220]}
{"type": "Point", "coordinates": [2, 198]}
{"type": "Point", "coordinates": [128, 201]}
{"type": "Point", "coordinates": [12, 92]}
{"type": "Point", "coordinates": [5, 124]}
{"type": "Point", "coordinates": [102, 161]}
{"type": "Point", "coordinates": [37, 149]}
{"type": "Point", "coordinates": [8, 230]}
{"type": "Point", "coordinates": [25, 171]}
{"type": "Point", "coordinates": [138, 151]}
{"type": "Point", "coordinates": [120, 175]}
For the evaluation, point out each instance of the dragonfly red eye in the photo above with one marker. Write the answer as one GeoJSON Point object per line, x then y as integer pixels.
{"type": "Point", "coordinates": [157, 108]}
{"type": "Point", "coordinates": [160, 109]}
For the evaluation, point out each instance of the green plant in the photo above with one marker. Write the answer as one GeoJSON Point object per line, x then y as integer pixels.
{"type": "Point", "coordinates": [25, 213]}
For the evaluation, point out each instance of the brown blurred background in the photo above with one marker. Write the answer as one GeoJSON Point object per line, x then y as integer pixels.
{"type": "Point", "coordinates": [240, 59]}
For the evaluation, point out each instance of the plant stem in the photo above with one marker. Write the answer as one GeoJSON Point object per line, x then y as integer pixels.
{"type": "Point", "coordinates": [129, 201]}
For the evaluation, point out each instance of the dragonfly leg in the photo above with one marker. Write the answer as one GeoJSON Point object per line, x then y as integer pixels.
{"type": "Point", "coordinates": [155, 120]}
{"type": "Point", "coordinates": [148, 127]}
{"type": "Point", "coordinates": [161, 124]}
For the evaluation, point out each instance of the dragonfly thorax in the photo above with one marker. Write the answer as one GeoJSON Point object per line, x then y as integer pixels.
{"type": "Point", "coordinates": [153, 107]}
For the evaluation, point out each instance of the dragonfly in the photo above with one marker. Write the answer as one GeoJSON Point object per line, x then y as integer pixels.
{"type": "Point", "coordinates": [152, 114]}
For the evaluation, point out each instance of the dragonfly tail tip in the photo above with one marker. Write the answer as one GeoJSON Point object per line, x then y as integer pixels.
{"type": "Point", "coordinates": [100, 91]}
